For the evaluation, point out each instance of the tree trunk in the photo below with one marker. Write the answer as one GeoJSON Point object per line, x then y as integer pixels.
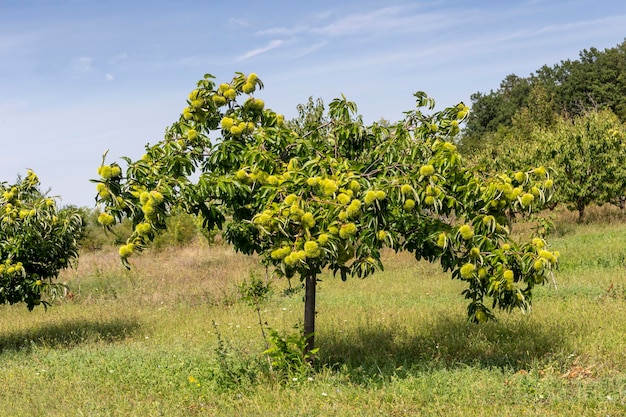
{"type": "Point", "coordinates": [309, 311]}
{"type": "Point", "coordinates": [581, 210]}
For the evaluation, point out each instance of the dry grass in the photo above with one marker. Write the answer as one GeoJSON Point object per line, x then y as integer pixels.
{"type": "Point", "coordinates": [130, 343]}
{"type": "Point", "coordinates": [192, 274]}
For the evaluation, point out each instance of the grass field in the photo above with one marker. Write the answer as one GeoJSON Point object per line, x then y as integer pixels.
{"type": "Point", "coordinates": [172, 338]}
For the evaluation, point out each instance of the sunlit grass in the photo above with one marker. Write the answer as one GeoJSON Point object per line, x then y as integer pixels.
{"type": "Point", "coordinates": [145, 341]}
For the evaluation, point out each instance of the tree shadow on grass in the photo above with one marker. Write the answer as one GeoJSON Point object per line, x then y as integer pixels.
{"type": "Point", "coordinates": [448, 342]}
{"type": "Point", "coordinates": [68, 334]}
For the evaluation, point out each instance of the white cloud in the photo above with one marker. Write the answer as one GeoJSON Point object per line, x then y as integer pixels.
{"type": "Point", "coordinates": [386, 20]}
{"type": "Point", "coordinates": [309, 49]}
{"type": "Point", "coordinates": [575, 27]}
{"type": "Point", "coordinates": [323, 15]}
{"type": "Point", "coordinates": [238, 22]}
{"type": "Point", "coordinates": [109, 77]}
{"type": "Point", "coordinates": [272, 45]}
{"type": "Point", "coordinates": [82, 64]}
{"type": "Point", "coordinates": [116, 59]}
{"type": "Point", "coordinates": [299, 28]}
{"type": "Point", "coordinates": [15, 42]}
{"type": "Point", "coordinates": [283, 31]}
{"type": "Point", "coordinates": [358, 22]}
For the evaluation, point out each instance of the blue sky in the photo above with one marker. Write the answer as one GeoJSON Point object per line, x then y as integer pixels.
{"type": "Point", "coordinates": [78, 77]}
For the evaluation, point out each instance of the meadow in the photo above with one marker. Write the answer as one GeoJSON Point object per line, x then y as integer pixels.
{"type": "Point", "coordinates": [173, 337]}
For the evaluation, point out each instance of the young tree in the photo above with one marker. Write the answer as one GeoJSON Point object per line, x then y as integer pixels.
{"type": "Point", "coordinates": [588, 158]}
{"type": "Point", "coordinates": [36, 241]}
{"type": "Point", "coordinates": [333, 196]}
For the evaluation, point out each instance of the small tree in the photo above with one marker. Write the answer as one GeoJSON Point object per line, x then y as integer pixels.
{"type": "Point", "coordinates": [588, 156]}
{"type": "Point", "coordinates": [36, 242]}
{"type": "Point", "coordinates": [333, 196]}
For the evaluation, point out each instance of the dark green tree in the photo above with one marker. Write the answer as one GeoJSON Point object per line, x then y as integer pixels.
{"type": "Point", "coordinates": [595, 81]}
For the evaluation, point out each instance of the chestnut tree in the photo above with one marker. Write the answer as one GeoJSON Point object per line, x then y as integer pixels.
{"type": "Point", "coordinates": [333, 195]}
{"type": "Point", "coordinates": [37, 240]}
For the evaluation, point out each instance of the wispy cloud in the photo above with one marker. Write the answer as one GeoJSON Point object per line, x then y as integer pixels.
{"type": "Point", "coordinates": [258, 51]}
{"type": "Point", "coordinates": [238, 22]}
{"type": "Point", "coordinates": [116, 59]}
{"type": "Point", "coordinates": [310, 49]}
{"type": "Point", "coordinates": [357, 22]}
{"type": "Point", "coordinates": [451, 36]}
{"type": "Point", "coordinates": [388, 19]}
{"type": "Point", "coordinates": [284, 31]}
{"type": "Point", "coordinates": [9, 42]}
{"type": "Point", "coordinates": [322, 15]}
{"type": "Point", "coordinates": [313, 20]}
{"type": "Point", "coordinates": [10, 105]}
{"type": "Point", "coordinates": [109, 77]}
{"type": "Point", "coordinates": [82, 64]}
{"type": "Point", "coordinates": [573, 27]}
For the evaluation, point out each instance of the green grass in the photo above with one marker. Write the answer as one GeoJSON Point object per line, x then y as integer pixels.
{"type": "Point", "coordinates": [147, 342]}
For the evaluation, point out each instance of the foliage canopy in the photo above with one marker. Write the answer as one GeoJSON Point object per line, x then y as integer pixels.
{"type": "Point", "coordinates": [330, 192]}
{"type": "Point", "coordinates": [36, 241]}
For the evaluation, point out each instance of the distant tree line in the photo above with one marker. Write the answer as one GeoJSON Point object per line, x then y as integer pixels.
{"type": "Point", "coordinates": [182, 229]}
{"type": "Point", "coordinates": [569, 117]}
{"type": "Point", "coordinates": [597, 80]}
